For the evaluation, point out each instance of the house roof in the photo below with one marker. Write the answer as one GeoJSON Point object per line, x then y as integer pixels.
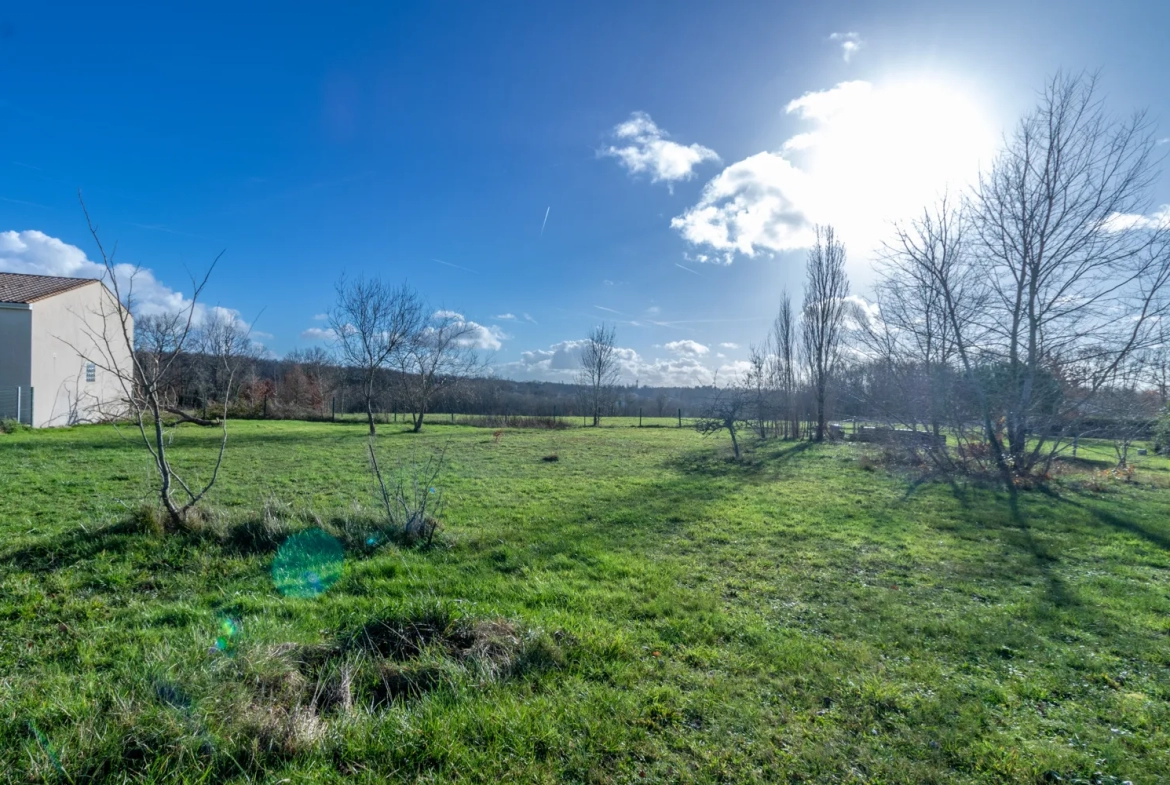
{"type": "Point", "coordinates": [20, 288]}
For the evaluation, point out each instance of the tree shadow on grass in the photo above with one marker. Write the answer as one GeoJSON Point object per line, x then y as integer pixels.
{"type": "Point", "coordinates": [1116, 521]}
{"type": "Point", "coordinates": [74, 546]}
{"type": "Point", "coordinates": [763, 461]}
{"type": "Point", "coordinates": [1045, 561]}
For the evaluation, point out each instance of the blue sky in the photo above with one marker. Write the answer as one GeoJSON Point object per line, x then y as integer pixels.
{"type": "Point", "coordinates": [378, 140]}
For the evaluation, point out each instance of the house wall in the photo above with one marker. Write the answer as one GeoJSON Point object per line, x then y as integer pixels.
{"type": "Point", "coordinates": [15, 355]}
{"type": "Point", "coordinates": [63, 335]}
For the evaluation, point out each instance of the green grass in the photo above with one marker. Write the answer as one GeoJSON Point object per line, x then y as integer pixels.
{"type": "Point", "coordinates": [641, 610]}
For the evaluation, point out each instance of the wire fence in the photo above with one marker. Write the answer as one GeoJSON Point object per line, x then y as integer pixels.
{"type": "Point", "coordinates": [16, 403]}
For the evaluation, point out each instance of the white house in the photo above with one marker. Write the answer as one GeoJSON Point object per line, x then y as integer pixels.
{"type": "Point", "coordinates": [50, 331]}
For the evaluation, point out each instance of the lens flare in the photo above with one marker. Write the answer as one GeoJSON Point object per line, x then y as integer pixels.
{"type": "Point", "coordinates": [228, 638]}
{"type": "Point", "coordinates": [307, 564]}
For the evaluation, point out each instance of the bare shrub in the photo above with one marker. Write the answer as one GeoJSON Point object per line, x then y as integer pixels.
{"type": "Point", "coordinates": [410, 498]}
{"type": "Point", "coordinates": [142, 359]}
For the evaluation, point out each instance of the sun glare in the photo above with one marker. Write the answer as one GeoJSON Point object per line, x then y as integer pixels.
{"type": "Point", "coordinates": [880, 152]}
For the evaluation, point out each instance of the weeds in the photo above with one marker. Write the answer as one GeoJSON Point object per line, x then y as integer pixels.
{"type": "Point", "coordinates": [12, 426]}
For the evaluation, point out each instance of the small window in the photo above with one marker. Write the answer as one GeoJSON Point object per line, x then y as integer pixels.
{"type": "Point", "coordinates": [90, 372]}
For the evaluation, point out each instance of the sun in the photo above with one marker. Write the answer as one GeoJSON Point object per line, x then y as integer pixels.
{"type": "Point", "coordinates": [880, 152]}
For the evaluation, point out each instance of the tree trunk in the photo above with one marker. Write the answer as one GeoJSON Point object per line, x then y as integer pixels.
{"type": "Point", "coordinates": [820, 436]}
{"type": "Point", "coordinates": [164, 468]}
{"type": "Point", "coordinates": [418, 420]}
{"type": "Point", "coordinates": [370, 403]}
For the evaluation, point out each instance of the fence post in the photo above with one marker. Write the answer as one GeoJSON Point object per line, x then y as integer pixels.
{"type": "Point", "coordinates": [333, 408]}
{"type": "Point", "coordinates": [639, 416]}
{"type": "Point", "coordinates": [18, 409]}
{"type": "Point", "coordinates": [452, 418]}
{"type": "Point", "coordinates": [680, 417]}
{"type": "Point", "coordinates": [554, 412]}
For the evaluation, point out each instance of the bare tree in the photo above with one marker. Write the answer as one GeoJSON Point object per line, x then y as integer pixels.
{"type": "Point", "coordinates": [726, 410]}
{"type": "Point", "coordinates": [315, 382]}
{"type": "Point", "coordinates": [372, 322]}
{"type": "Point", "coordinates": [1157, 361]}
{"type": "Point", "coordinates": [226, 348]}
{"type": "Point", "coordinates": [599, 370]}
{"type": "Point", "coordinates": [143, 373]}
{"type": "Point", "coordinates": [1075, 274]}
{"type": "Point", "coordinates": [823, 317]}
{"type": "Point", "coordinates": [1131, 410]}
{"type": "Point", "coordinates": [912, 337]}
{"type": "Point", "coordinates": [759, 381]}
{"type": "Point", "coordinates": [784, 343]}
{"type": "Point", "coordinates": [434, 360]}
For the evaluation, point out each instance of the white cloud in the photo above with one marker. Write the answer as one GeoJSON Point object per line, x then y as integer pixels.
{"type": "Point", "coordinates": [752, 205]}
{"type": "Point", "coordinates": [559, 359]}
{"type": "Point", "coordinates": [478, 336]}
{"type": "Point", "coordinates": [318, 334]}
{"type": "Point", "coordinates": [484, 337]}
{"type": "Point", "coordinates": [507, 317]}
{"type": "Point", "coordinates": [851, 44]}
{"type": "Point", "coordinates": [36, 253]}
{"type": "Point", "coordinates": [653, 310]}
{"type": "Point", "coordinates": [869, 154]}
{"type": "Point", "coordinates": [320, 317]}
{"type": "Point", "coordinates": [562, 361]}
{"type": "Point", "coordinates": [644, 147]}
{"type": "Point", "coordinates": [528, 318]}
{"type": "Point", "coordinates": [1125, 222]}
{"type": "Point", "coordinates": [859, 310]}
{"type": "Point", "coordinates": [732, 372]}
{"type": "Point", "coordinates": [687, 348]}
{"type": "Point", "coordinates": [728, 345]}
{"type": "Point", "coordinates": [677, 372]}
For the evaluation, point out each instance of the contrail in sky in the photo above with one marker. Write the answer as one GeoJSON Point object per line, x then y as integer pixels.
{"type": "Point", "coordinates": [545, 223]}
{"type": "Point", "coordinates": [457, 267]}
{"type": "Point", "coordinates": [689, 270]}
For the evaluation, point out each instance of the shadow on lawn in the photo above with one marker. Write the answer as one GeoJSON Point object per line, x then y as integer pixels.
{"type": "Point", "coordinates": [73, 546]}
{"type": "Point", "coordinates": [1019, 532]}
{"type": "Point", "coordinates": [1045, 561]}
{"type": "Point", "coordinates": [755, 463]}
{"type": "Point", "coordinates": [1116, 521]}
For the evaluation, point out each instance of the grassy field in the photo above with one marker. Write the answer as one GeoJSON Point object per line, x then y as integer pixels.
{"type": "Point", "coordinates": [640, 610]}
